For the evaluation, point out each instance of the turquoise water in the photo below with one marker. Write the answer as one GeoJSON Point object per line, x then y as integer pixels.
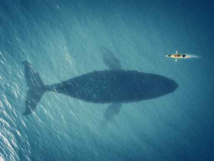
{"type": "Point", "coordinates": [62, 39]}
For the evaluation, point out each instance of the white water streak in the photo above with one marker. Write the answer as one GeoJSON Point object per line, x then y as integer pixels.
{"type": "Point", "coordinates": [189, 56]}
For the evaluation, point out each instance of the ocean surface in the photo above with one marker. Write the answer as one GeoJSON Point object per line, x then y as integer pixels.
{"type": "Point", "coordinates": [62, 39]}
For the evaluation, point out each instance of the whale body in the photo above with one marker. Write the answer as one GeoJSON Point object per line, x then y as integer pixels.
{"type": "Point", "coordinates": [118, 86]}
{"type": "Point", "coordinates": [107, 86]}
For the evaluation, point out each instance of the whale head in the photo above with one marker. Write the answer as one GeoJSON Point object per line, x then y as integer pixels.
{"type": "Point", "coordinates": [155, 86]}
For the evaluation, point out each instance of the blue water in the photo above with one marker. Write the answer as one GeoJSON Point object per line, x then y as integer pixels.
{"type": "Point", "coordinates": [62, 39]}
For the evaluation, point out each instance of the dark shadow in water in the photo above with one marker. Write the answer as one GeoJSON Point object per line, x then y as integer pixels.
{"type": "Point", "coordinates": [110, 59]}
{"type": "Point", "coordinates": [114, 86]}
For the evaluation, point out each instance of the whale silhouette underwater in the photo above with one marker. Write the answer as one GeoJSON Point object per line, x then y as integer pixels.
{"type": "Point", "coordinates": [114, 86]}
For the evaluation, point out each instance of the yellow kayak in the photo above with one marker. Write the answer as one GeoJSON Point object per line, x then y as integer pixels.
{"type": "Point", "coordinates": [177, 56]}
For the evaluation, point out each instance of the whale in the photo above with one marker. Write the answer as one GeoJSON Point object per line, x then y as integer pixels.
{"type": "Point", "coordinates": [114, 86]}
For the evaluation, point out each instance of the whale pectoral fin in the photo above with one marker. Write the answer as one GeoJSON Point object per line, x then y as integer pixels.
{"type": "Point", "coordinates": [112, 110]}
{"type": "Point", "coordinates": [109, 59]}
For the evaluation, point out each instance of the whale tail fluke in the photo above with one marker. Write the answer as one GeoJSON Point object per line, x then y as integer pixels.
{"type": "Point", "coordinates": [37, 88]}
{"type": "Point", "coordinates": [32, 77]}
{"type": "Point", "coordinates": [32, 99]}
